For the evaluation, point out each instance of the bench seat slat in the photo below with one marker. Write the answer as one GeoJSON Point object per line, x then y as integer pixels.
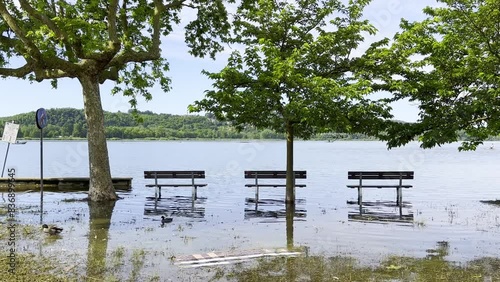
{"type": "Point", "coordinates": [380, 174]}
{"type": "Point", "coordinates": [269, 174]}
{"type": "Point", "coordinates": [176, 171]}
{"type": "Point", "coordinates": [274, 185]}
{"type": "Point", "coordinates": [379, 186]}
{"type": "Point", "coordinates": [174, 174]}
{"type": "Point", "coordinates": [176, 185]}
{"type": "Point", "coordinates": [382, 177]}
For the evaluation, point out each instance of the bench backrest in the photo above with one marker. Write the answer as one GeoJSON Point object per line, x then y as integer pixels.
{"type": "Point", "coordinates": [175, 174]}
{"type": "Point", "coordinates": [380, 175]}
{"type": "Point", "coordinates": [261, 174]}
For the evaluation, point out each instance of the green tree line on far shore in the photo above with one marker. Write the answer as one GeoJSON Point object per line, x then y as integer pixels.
{"type": "Point", "coordinates": [68, 123]}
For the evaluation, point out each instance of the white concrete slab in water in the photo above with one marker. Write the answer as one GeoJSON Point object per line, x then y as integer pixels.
{"type": "Point", "coordinates": [218, 258]}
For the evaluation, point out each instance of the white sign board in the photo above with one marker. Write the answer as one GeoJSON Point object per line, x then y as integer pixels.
{"type": "Point", "coordinates": [10, 132]}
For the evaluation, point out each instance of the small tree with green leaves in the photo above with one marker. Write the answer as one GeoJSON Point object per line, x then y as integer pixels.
{"type": "Point", "coordinates": [448, 64]}
{"type": "Point", "coordinates": [297, 73]}
{"type": "Point", "coordinates": [95, 41]}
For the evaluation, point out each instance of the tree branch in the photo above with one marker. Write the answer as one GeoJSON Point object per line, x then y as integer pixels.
{"type": "Point", "coordinates": [113, 7]}
{"type": "Point", "coordinates": [8, 42]}
{"type": "Point", "coordinates": [109, 74]}
{"type": "Point", "coordinates": [190, 6]}
{"type": "Point", "coordinates": [18, 72]}
{"type": "Point", "coordinates": [61, 35]}
{"type": "Point", "coordinates": [159, 8]}
{"type": "Point", "coordinates": [175, 4]}
{"type": "Point", "coordinates": [480, 119]}
{"type": "Point", "coordinates": [114, 44]}
{"type": "Point", "coordinates": [123, 19]}
{"type": "Point", "coordinates": [130, 56]}
{"type": "Point", "coordinates": [30, 47]}
{"type": "Point", "coordinates": [154, 52]}
{"type": "Point", "coordinates": [42, 74]}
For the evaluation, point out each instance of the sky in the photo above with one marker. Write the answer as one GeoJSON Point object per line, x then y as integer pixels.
{"type": "Point", "coordinates": [188, 84]}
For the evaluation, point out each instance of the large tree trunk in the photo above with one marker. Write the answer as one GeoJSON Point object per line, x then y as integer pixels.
{"type": "Point", "coordinates": [290, 189]}
{"type": "Point", "coordinates": [101, 187]}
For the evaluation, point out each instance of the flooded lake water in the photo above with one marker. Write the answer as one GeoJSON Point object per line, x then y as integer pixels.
{"type": "Point", "coordinates": [442, 206]}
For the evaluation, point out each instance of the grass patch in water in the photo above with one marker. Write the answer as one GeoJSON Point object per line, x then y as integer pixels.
{"type": "Point", "coordinates": [23, 232]}
{"type": "Point", "coordinates": [317, 268]}
{"type": "Point", "coordinates": [491, 202]}
{"type": "Point", "coordinates": [31, 267]}
{"type": "Point", "coordinates": [124, 264]}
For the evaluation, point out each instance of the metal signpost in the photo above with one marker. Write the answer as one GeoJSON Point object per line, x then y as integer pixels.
{"type": "Point", "coordinates": [9, 136]}
{"type": "Point", "coordinates": [41, 122]}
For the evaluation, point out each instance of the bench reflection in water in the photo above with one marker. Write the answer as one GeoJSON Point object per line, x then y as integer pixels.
{"type": "Point", "coordinates": [273, 208]}
{"type": "Point", "coordinates": [380, 212]}
{"type": "Point", "coordinates": [176, 206]}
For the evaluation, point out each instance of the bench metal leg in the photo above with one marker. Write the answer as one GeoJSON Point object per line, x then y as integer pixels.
{"type": "Point", "coordinates": [398, 196]}
{"type": "Point", "coordinates": [360, 196]}
{"type": "Point", "coordinates": [159, 192]}
{"type": "Point", "coordinates": [400, 211]}
{"type": "Point", "coordinates": [194, 193]}
{"type": "Point", "coordinates": [256, 194]}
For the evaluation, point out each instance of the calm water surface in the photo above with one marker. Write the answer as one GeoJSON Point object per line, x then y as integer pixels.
{"type": "Point", "coordinates": [443, 205]}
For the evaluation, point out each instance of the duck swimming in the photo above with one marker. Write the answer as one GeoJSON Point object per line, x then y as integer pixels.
{"type": "Point", "coordinates": [52, 229]}
{"type": "Point", "coordinates": [166, 219]}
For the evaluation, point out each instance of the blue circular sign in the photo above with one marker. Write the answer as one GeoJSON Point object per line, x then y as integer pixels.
{"type": "Point", "coordinates": [41, 118]}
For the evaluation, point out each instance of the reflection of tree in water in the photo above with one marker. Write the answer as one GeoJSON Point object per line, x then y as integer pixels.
{"type": "Point", "coordinates": [100, 220]}
{"type": "Point", "coordinates": [290, 212]}
{"type": "Point", "coordinates": [290, 269]}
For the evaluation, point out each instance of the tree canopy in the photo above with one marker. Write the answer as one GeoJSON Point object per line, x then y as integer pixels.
{"type": "Point", "coordinates": [449, 64]}
{"type": "Point", "coordinates": [297, 73]}
{"type": "Point", "coordinates": [120, 40]}
{"type": "Point", "coordinates": [95, 41]}
{"type": "Point", "coordinates": [297, 68]}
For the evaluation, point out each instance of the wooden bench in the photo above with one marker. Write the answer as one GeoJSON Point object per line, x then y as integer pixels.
{"type": "Point", "coordinates": [380, 175]}
{"type": "Point", "coordinates": [176, 174]}
{"type": "Point", "coordinates": [271, 174]}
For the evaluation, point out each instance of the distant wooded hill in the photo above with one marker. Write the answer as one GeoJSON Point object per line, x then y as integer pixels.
{"type": "Point", "coordinates": [67, 123]}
